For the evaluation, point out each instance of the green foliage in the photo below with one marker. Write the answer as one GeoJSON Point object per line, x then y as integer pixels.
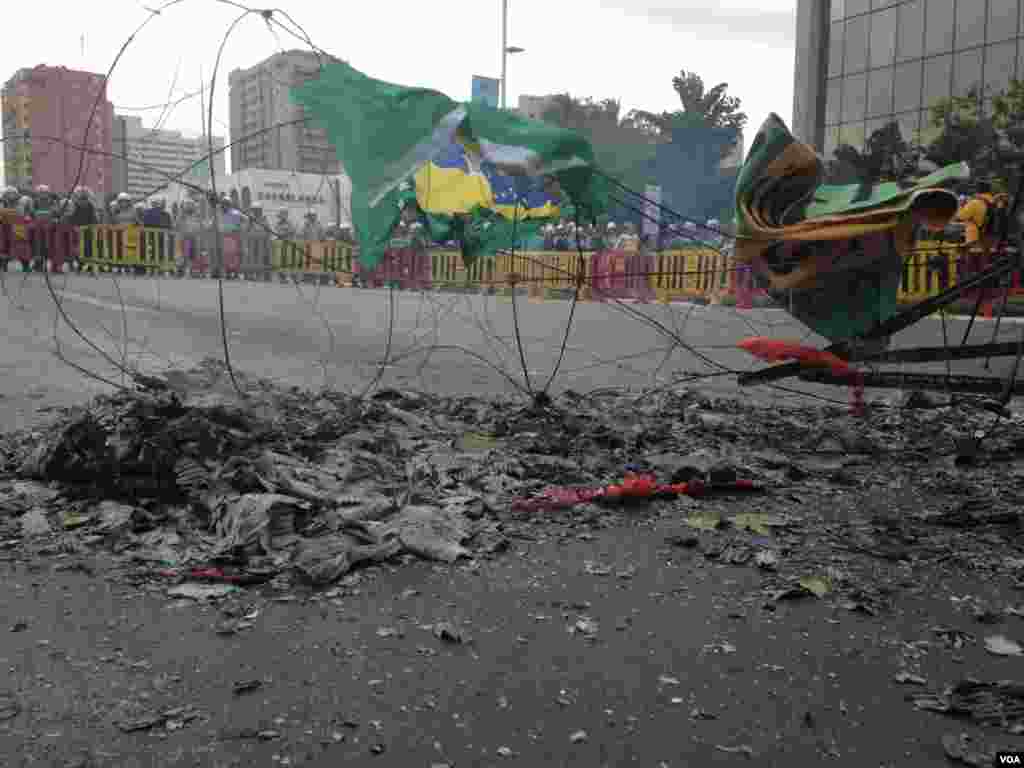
{"type": "Point", "coordinates": [622, 150]}
{"type": "Point", "coordinates": [625, 146]}
{"type": "Point", "coordinates": [986, 139]}
{"type": "Point", "coordinates": [713, 108]}
{"type": "Point", "coordinates": [887, 157]}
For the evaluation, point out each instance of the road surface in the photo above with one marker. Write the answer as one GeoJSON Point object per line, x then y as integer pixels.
{"type": "Point", "coordinates": [683, 663]}
{"type": "Point", "coordinates": [458, 343]}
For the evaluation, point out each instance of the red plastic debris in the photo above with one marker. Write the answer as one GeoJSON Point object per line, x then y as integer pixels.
{"type": "Point", "coordinates": [773, 350]}
{"type": "Point", "coordinates": [633, 486]}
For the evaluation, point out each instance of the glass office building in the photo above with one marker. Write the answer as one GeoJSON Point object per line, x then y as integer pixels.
{"type": "Point", "coordinates": [890, 60]}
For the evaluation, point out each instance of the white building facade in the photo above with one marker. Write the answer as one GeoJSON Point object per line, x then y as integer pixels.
{"type": "Point", "coordinates": [146, 157]}
{"type": "Point", "coordinates": [328, 195]}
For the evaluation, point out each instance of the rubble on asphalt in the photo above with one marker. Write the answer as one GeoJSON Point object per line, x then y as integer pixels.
{"type": "Point", "coordinates": [204, 492]}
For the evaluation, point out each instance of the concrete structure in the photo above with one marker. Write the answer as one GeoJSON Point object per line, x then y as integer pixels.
{"type": "Point", "coordinates": [262, 111]}
{"type": "Point", "coordinates": [811, 58]}
{"type": "Point", "coordinates": [46, 111]}
{"type": "Point", "coordinates": [534, 107]}
{"type": "Point", "coordinates": [864, 63]}
{"type": "Point", "coordinates": [329, 195]}
{"type": "Point", "coordinates": [146, 157]}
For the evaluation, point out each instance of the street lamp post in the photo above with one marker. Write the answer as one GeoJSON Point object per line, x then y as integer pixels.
{"type": "Point", "coordinates": [506, 49]}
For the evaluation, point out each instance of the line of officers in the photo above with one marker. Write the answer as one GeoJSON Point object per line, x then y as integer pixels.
{"type": "Point", "coordinates": [81, 209]}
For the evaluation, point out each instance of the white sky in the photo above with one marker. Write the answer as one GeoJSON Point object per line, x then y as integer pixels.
{"type": "Point", "coordinates": [624, 49]}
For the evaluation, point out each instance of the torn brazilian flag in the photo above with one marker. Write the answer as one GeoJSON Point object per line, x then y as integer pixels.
{"type": "Point", "coordinates": [483, 176]}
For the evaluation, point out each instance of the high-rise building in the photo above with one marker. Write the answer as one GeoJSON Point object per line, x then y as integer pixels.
{"type": "Point", "coordinates": [861, 64]}
{"type": "Point", "coordinates": [145, 157]}
{"type": "Point", "coordinates": [266, 128]}
{"type": "Point", "coordinates": [57, 129]}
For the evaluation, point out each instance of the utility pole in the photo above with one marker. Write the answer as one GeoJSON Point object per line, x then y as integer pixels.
{"type": "Point", "coordinates": [504, 51]}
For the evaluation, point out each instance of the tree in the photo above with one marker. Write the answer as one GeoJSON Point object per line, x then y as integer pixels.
{"type": "Point", "coordinates": [713, 108]}
{"type": "Point", "coordinates": [886, 157]}
{"type": "Point", "coordinates": [582, 114]}
{"type": "Point", "coordinates": [987, 143]}
{"type": "Point", "coordinates": [621, 149]}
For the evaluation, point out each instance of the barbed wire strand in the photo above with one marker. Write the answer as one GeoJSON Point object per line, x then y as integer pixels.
{"type": "Point", "coordinates": [218, 243]}
{"type": "Point", "coordinates": [78, 178]}
{"type": "Point", "coordinates": [391, 292]}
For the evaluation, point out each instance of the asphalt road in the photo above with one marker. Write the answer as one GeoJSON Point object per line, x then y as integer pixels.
{"type": "Point", "coordinates": [683, 665]}
{"type": "Point", "coordinates": [684, 668]}
{"type": "Point", "coordinates": [314, 337]}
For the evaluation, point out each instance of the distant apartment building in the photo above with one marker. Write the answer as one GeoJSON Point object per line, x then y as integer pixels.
{"type": "Point", "coordinates": [146, 158]}
{"type": "Point", "coordinates": [46, 114]}
{"type": "Point", "coordinates": [266, 128]}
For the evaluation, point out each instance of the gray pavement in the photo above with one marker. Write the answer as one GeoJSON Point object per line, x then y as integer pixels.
{"type": "Point", "coordinates": [314, 337]}
{"type": "Point", "coordinates": [686, 667]}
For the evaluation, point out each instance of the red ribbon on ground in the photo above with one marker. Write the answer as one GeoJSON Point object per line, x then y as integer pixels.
{"type": "Point", "coordinates": [633, 486]}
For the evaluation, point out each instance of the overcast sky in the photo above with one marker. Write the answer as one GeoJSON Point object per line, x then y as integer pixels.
{"type": "Point", "coordinates": [624, 49]}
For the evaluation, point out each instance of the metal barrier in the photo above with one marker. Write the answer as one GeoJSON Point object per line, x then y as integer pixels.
{"type": "Point", "coordinates": [106, 247]}
{"type": "Point", "coordinates": [52, 246]}
{"type": "Point", "coordinates": [447, 270]}
{"type": "Point", "coordinates": [158, 251]}
{"type": "Point", "coordinates": [288, 258]}
{"type": "Point", "coordinates": [670, 266]}
{"type": "Point", "coordinates": [337, 258]}
{"type": "Point", "coordinates": [678, 274]}
{"type": "Point", "coordinates": [930, 268]}
{"type": "Point", "coordinates": [15, 244]}
{"type": "Point", "coordinates": [256, 256]}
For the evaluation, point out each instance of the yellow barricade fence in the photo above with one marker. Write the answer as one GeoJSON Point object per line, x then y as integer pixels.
{"type": "Point", "coordinates": [157, 250]}
{"type": "Point", "coordinates": [670, 267]}
{"type": "Point", "coordinates": [109, 246]}
{"type": "Point", "coordinates": [509, 269]}
{"type": "Point", "coordinates": [534, 274]}
{"type": "Point", "coordinates": [929, 268]}
{"type": "Point", "coordinates": [560, 271]}
{"type": "Point", "coordinates": [288, 257]}
{"type": "Point", "coordinates": [446, 269]}
{"type": "Point", "coordinates": [688, 273]}
{"type": "Point", "coordinates": [679, 274]}
{"type": "Point", "coordinates": [480, 274]}
{"type": "Point", "coordinates": [337, 259]}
